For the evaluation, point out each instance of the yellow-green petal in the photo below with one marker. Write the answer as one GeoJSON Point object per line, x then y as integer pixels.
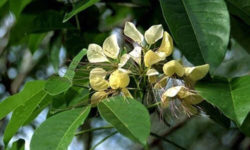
{"type": "Point", "coordinates": [167, 45]}
{"type": "Point", "coordinates": [119, 79]}
{"type": "Point", "coordinates": [152, 72]}
{"type": "Point", "coordinates": [98, 84]}
{"type": "Point", "coordinates": [95, 54]}
{"type": "Point", "coordinates": [153, 34]}
{"type": "Point", "coordinates": [173, 67]}
{"type": "Point", "coordinates": [98, 96]}
{"type": "Point", "coordinates": [111, 47]}
{"type": "Point", "coordinates": [131, 31]}
{"type": "Point", "coordinates": [97, 72]}
{"type": "Point", "coordinates": [151, 58]}
{"type": "Point", "coordinates": [196, 73]}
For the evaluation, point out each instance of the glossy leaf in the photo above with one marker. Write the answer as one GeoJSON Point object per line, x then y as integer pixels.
{"type": "Point", "coordinates": [30, 89]}
{"type": "Point", "coordinates": [57, 132]}
{"type": "Point", "coordinates": [232, 97]}
{"type": "Point", "coordinates": [21, 114]}
{"type": "Point", "coordinates": [56, 85]}
{"type": "Point", "coordinates": [200, 29]}
{"type": "Point", "coordinates": [128, 116]}
{"type": "Point", "coordinates": [80, 6]}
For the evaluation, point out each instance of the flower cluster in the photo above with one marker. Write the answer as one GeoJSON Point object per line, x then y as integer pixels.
{"type": "Point", "coordinates": [150, 58]}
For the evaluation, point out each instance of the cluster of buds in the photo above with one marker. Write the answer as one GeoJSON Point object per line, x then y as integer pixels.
{"type": "Point", "coordinates": [151, 62]}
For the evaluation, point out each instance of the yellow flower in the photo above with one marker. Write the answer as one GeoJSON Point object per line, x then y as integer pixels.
{"type": "Point", "coordinates": [98, 96]}
{"type": "Point", "coordinates": [151, 58]}
{"type": "Point", "coordinates": [167, 45]}
{"type": "Point", "coordinates": [97, 79]}
{"type": "Point", "coordinates": [152, 75]}
{"type": "Point", "coordinates": [119, 79]}
{"type": "Point", "coordinates": [152, 35]}
{"type": "Point", "coordinates": [196, 73]}
{"type": "Point", "coordinates": [110, 48]}
{"type": "Point", "coordinates": [182, 93]}
{"type": "Point", "coordinates": [173, 67]}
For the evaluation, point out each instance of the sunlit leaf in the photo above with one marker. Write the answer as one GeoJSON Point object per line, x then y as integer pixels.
{"type": "Point", "coordinates": [128, 116]}
{"type": "Point", "coordinates": [200, 29]}
{"type": "Point", "coordinates": [57, 132]}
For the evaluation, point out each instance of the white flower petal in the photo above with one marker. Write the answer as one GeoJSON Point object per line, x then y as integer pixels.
{"type": "Point", "coordinates": [136, 54]}
{"type": "Point", "coordinates": [95, 54]}
{"type": "Point", "coordinates": [153, 34]}
{"type": "Point", "coordinates": [131, 31]}
{"type": "Point", "coordinates": [123, 60]}
{"type": "Point", "coordinates": [111, 47]}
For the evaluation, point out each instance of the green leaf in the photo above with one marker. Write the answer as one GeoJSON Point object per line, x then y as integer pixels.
{"type": "Point", "coordinates": [128, 116]}
{"type": "Point", "coordinates": [2, 2]}
{"type": "Point", "coordinates": [21, 114]}
{"type": "Point", "coordinates": [71, 70]}
{"type": "Point", "coordinates": [57, 132]}
{"type": "Point", "coordinates": [11, 103]}
{"type": "Point", "coordinates": [231, 97]}
{"type": "Point", "coordinates": [240, 8]}
{"type": "Point", "coordinates": [16, 6]}
{"type": "Point", "coordinates": [78, 7]}
{"type": "Point", "coordinates": [35, 40]}
{"type": "Point", "coordinates": [56, 85]}
{"type": "Point", "coordinates": [200, 29]}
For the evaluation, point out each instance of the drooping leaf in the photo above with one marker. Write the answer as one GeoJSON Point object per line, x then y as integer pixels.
{"type": "Point", "coordinates": [232, 97]}
{"type": "Point", "coordinates": [56, 85]}
{"type": "Point", "coordinates": [128, 116]}
{"type": "Point", "coordinates": [240, 8]}
{"type": "Point", "coordinates": [200, 29]}
{"type": "Point", "coordinates": [21, 114]}
{"type": "Point", "coordinates": [80, 6]}
{"type": "Point", "coordinates": [71, 70]}
{"type": "Point", "coordinates": [11, 103]}
{"type": "Point", "coordinates": [57, 132]}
